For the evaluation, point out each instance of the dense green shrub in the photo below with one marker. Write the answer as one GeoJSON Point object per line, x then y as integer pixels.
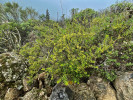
{"type": "Point", "coordinates": [65, 54]}
{"type": "Point", "coordinates": [74, 54]}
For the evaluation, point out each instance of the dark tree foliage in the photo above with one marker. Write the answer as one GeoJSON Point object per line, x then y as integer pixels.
{"type": "Point", "coordinates": [47, 15]}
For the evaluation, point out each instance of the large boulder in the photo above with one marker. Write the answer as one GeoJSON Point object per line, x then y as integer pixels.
{"type": "Point", "coordinates": [124, 86]}
{"type": "Point", "coordinates": [82, 92]}
{"type": "Point", "coordinates": [36, 94]}
{"type": "Point", "coordinates": [61, 92]}
{"type": "Point", "coordinates": [101, 89]}
{"type": "Point", "coordinates": [31, 95]}
{"type": "Point", "coordinates": [12, 94]}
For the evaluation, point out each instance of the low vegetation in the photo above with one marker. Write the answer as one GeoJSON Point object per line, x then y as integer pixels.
{"type": "Point", "coordinates": [89, 43]}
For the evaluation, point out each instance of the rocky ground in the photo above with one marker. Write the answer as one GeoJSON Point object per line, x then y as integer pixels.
{"type": "Point", "coordinates": [14, 85]}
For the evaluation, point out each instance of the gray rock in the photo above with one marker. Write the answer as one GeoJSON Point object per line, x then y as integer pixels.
{"type": "Point", "coordinates": [82, 92]}
{"type": "Point", "coordinates": [36, 94]}
{"type": "Point", "coordinates": [102, 89]}
{"type": "Point", "coordinates": [12, 94]}
{"type": "Point", "coordinates": [124, 86]}
{"type": "Point", "coordinates": [61, 92]}
{"type": "Point", "coordinates": [32, 95]}
{"type": "Point", "coordinates": [26, 85]}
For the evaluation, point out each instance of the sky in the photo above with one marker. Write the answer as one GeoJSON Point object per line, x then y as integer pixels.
{"type": "Point", "coordinates": [62, 6]}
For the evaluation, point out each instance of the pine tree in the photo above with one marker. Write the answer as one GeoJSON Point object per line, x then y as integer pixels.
{"type": "Point", "coordinates": [47, 15]}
